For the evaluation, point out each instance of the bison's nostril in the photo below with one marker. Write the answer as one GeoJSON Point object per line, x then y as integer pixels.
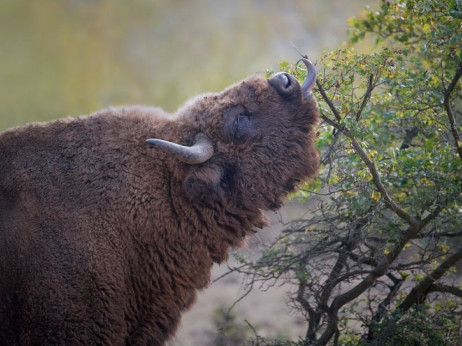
{"type": "Point", "coordinates": [284, 84]}
{"type": "Point", "coordinates": [285, 80]}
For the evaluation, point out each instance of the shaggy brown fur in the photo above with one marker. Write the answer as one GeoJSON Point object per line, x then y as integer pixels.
{"type": "Point", "coordinates": [105, 239]}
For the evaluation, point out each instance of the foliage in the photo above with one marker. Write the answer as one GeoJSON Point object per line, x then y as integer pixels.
{"type": "Point", "coordinates": [230, 332]}
{"type": "Point", "coordinates": [423, 326]}
{"type": "Point", "coordinates": [376, 260]}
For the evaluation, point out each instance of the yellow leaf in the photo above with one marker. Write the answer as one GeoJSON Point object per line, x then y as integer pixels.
{"type": "Point", "coordinates": [375, 195]}
{"type": "Point", "coordinates": [444, 248]}
{"type": "Point", "coordinates": [426, 28]}
{"type": "Point", "coordinates": [351, 21]}
{"type": "Point", "coordinates": [373, 153]}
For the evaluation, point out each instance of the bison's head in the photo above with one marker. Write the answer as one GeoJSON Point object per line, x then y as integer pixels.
{"type": "Point", "coordinates": [250, 144]}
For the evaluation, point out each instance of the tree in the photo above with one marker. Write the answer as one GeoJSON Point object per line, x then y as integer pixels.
{"type": "Point", "coordinates": [376, 260]}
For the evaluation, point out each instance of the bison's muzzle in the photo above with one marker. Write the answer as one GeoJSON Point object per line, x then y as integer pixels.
{"type": "Point", "coordinates": [286, 85]}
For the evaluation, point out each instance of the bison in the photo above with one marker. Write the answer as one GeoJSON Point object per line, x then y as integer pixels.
{"type": "Point", "coordinates": [110, 223]}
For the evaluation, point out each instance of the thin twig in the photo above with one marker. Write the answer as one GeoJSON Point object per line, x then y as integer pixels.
{"type": "Point", "coordinates": [257, 337]}
{"type": "Point", "coordinates": [230, 271]}
{"type": "Point", "coordinates": [367, 96]}
{"type": "Point", "coordinates": [241, 297]}
{"type": "Point", "coordinates": [449, 111]}
{"type": "Point", "coordinates": [419, 293]}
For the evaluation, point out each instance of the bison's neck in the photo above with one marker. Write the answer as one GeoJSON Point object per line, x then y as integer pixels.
{"type": "Point", "coordinates": [208, 230]}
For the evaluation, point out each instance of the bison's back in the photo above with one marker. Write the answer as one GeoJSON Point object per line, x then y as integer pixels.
{"type": "Point", "coordinates": [49, 272]}
{"type": "Point", "coordinates": [62, 255]}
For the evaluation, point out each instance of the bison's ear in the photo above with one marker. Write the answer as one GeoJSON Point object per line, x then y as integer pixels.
{"type": "Point", "coordinates": [203, 184]}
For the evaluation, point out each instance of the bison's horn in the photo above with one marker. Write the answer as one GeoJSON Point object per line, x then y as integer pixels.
{"type": "Point", "coordinates": [199, 152]}
{"type": "Point", "coordinates": [310, 80]}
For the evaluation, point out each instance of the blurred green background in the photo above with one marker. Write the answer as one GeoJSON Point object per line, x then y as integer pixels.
{"type": "Point", "coordinates": [72, 57]}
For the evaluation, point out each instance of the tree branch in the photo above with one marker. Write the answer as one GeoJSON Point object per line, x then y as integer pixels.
{"type": "Point", "coordinates": [410, 134]}
{"type": "Point", "coordinates": [363, 155]}
{"type": "Point", "coordinates": [421, 290]}
{"type": "Point", "coordinates": [328, 101]}
{"type": "Point", "coordinates": [377, 272]}
{"type": "Point", "coordinates": [449, 111]}
{"type": "Point", "coordinates": [366, 97]}
{"type": "Point", "coordinates": [445, 289]}
{"type": "Point", "coordinates": [384, 304]}
{"type": "Point", "coordinates": [378, 183]}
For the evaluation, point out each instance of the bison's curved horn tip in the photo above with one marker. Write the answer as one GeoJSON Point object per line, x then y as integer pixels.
{"type": "Point", "coordinates": [310, 80]}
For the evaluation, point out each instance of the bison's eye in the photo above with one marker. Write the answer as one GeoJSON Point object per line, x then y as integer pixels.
{"type": "Point", "coordinates": [240, 123]}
